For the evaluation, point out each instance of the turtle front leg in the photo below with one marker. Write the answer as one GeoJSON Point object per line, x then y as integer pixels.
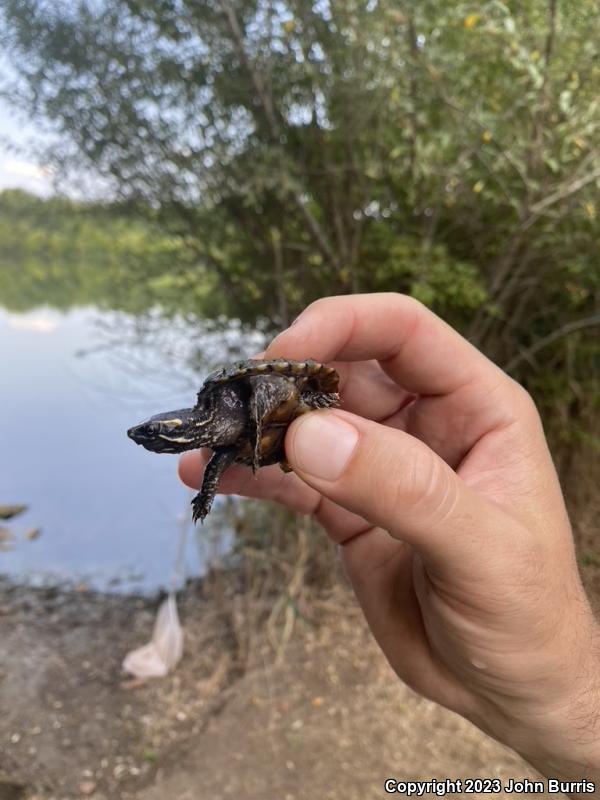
{"type": "Point", "coordinates": [272, 403]}
{"type": "Point", "coordinates": [202, 502]}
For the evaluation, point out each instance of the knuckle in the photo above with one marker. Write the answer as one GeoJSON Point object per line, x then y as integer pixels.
{"type": "Point", "coordinates": [399, 298]}
{"type": "Point", "coordinates": [522, 396]}
{"type": "Point", "coordinates": [411, 304]}
{"type": "Point", "coordinates": [419, 483]}
{"type": "Point", "coordinates": [320, 304]}
{"type": "Point", "coordinates": [412, 312]}
{"type": "Point", "coordinates": [524, 404]}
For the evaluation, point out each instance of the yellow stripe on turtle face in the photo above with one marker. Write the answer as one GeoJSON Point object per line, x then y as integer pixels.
{"type": "Point", "coordinates": [176, 439]}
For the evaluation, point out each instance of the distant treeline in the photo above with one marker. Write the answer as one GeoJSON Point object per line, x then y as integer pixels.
{"type": "Point", "coordinates": [63, 253]}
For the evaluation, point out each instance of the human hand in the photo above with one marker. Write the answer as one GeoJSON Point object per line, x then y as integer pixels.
{"type": "Point", "coordinates": [436, 481]}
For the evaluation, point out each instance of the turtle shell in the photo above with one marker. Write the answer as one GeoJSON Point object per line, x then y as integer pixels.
{"type": "Point", "coordinates": [269, 407]}
{"type": "Point", "coordinates": [310, 374]}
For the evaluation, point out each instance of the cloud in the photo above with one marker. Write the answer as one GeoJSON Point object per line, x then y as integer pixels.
{"type": "Point", "coordinates": [18, 173]}
{"type": "Point", "coordinates": [25, 169]}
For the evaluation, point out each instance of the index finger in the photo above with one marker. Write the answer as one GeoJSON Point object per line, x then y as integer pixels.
{"type": "Point", "coordinates": [416, 348]}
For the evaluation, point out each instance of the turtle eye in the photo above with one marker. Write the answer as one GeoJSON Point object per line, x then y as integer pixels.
{"type": "Point", "coordinates": [205, 402]}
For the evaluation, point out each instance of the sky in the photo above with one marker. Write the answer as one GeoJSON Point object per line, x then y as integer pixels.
{"type": "Point", "coordinates": [17, 169]}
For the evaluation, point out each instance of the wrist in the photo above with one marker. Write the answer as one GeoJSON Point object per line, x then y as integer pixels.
{"type": "Point", "coordinates": [563, 740]}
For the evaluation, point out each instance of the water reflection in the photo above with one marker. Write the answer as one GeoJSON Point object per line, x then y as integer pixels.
{"type": "Point", "coordinates": [106, 508]}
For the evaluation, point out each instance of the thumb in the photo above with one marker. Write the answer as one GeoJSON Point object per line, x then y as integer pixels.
{"type": "Point", "coordinates": [393, 481]}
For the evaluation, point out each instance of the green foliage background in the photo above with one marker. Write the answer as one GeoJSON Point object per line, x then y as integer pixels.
{"type": "Point", "coordinates": [275, 153]}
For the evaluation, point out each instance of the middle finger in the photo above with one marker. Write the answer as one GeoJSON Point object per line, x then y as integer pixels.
{"type": "Point", "coordinates": [366, 390]}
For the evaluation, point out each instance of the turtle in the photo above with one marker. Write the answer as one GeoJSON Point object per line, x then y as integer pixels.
{"type": "Point", "coordinates": [242, 413]}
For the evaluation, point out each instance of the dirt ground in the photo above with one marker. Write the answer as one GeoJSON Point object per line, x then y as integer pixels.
{"type": "Point", "coordinates": [324, 718]}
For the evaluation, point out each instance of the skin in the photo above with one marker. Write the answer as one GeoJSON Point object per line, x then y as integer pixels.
{"type": "Point", "coordinates": [436, 481]}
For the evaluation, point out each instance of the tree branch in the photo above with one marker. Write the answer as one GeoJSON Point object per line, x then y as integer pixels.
{"type": "Point", "coordinates": [564, 330]}
{"type": "Point", "coordinates": [273, 121]}
{"type": "Point", "coordinates": [282, 303]}
{"type": "Point", "coordinates": [537, 208]}
{"type": "Point", "coordinates": [551, 36]}
{"type": "Point", "coordinates": [255, 76]}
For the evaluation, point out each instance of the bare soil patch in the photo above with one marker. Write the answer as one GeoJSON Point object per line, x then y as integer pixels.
{"type": "Point", "coordinates": [323, 718]}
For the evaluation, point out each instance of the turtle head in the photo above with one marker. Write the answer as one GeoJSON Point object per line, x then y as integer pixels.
{"type": "Point", "coordinates": [217, 420]}
{"type": "Point", "coordinates": [171, 432]}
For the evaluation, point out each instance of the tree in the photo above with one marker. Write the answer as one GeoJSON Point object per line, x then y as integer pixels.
{"type": "Point", "coordinates": [307, 147]}
{"type": "Point", "coordinates": [258, 129]}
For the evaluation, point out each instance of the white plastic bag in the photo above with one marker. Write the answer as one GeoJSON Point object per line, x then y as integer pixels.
{"type": "Point", "coordinates": [162, 653]}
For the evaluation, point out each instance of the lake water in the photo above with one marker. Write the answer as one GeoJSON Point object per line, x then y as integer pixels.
{"type": "Point", "coordinates": [111, 514]}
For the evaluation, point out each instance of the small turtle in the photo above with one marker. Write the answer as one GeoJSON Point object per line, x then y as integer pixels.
{"type": "Point", "coordinates": [242, 413]}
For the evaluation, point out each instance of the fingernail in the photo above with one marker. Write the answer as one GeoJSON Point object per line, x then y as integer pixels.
{"type": "Point", "coordinates": [323, 445]}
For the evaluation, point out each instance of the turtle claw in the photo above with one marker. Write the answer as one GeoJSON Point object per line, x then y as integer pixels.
{"type": "Point", "coordinates": [200, 507]}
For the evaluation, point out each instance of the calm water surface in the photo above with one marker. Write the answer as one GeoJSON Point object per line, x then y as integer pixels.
{"type": "Point", "coordinates": [110, 513]}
